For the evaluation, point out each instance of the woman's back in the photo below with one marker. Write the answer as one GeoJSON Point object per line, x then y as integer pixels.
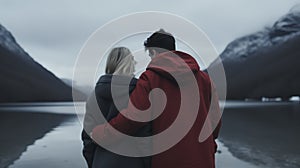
{"type": "Point", "coordinates": [107, 93]}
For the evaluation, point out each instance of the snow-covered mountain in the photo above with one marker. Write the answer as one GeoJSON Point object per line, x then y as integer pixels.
{"type": "Point", "coordinates": [8, 42]}
{"type": "Point", "coordinates": [266, 63]}
{"type": "Point", "coordinates": [23, 79]}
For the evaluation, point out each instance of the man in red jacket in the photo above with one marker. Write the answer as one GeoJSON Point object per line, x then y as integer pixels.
{"type": "Point", "coordinates": [178, 108]}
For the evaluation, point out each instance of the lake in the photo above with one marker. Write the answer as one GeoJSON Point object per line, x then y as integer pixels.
{"type": "Point", "coordinates": [253, 135]}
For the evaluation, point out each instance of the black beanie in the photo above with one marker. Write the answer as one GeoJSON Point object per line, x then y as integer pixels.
{"type": "Point", "coordinates": [161, 39]}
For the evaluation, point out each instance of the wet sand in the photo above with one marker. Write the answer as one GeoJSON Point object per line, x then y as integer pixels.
{"type": "Point", "coordinates": [253, 135]}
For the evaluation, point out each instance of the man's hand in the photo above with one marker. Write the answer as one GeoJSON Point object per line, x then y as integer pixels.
{"type": "Point", "coordinates": [97, 134]}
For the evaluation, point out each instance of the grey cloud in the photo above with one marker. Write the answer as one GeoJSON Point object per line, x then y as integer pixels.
{"type": "Point", "coordinates": [54, 31]}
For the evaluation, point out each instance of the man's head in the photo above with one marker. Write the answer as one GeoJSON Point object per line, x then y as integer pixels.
{"type": "Point", "coordinates": [159, 41]}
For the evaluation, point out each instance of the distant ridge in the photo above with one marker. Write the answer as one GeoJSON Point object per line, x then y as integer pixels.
{"type": "Point", "coordinates": [25, 80]}
{"type": "Point", "coordinates": [266, 63]}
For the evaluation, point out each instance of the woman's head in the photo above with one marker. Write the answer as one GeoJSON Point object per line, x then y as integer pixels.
{"type": "Point", "coordinates": [120, 61]}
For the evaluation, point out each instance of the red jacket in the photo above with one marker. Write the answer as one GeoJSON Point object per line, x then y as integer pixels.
{"type": "Point", "coordinates": [188, 152]}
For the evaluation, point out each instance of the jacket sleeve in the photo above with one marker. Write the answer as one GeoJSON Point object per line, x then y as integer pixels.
{"type": "Point", "coordinates": [215, 113]}
{"type": "Point", "coordinates": [89, 148]}
{"type": "Point", "coordinates": [90, 120]}
{"type": "Point", "coordinates": [216, 117]}
{"type": "Point", "coordinates": [137, 108]}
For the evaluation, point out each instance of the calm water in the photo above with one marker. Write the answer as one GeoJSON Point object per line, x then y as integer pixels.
{"type": "Point", "coordinates": [254, 135]}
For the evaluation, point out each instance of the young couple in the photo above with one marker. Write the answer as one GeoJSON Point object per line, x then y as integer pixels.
{"type": "Point", "coordinates": [163, 72]}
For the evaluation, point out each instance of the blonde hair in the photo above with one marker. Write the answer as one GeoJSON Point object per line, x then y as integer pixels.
{"type": "Point", "coordinates": [120, 62]}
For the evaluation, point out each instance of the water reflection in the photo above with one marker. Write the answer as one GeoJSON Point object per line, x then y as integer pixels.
{"type": "Point", "coordinates": [22, 125]}
{"type": "Point", "coordinates": [59, 148]}
{"type": "Point", "coordinates": [254, 134]}
{"type": "Point", "coordinates": [264, 133]}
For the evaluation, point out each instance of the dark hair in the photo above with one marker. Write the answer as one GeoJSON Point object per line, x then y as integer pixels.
{"type": "Point", "coordinates": [160, 39]}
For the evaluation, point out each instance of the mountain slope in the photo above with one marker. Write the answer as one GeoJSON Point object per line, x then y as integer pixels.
{"type": "Point", "coordinates": [266, 63]}
{"type": "Point", "coordinates": [23, 79]}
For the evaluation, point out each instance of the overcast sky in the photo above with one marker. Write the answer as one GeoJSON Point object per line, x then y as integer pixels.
{"type": "Point", "coordinates": [54, 31]}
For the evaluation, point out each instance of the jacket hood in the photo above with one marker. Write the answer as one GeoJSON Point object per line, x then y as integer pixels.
{"type": "Point", "coordinates": [172, 63]}
{"type": "Point", "coordinates": [122, 85]}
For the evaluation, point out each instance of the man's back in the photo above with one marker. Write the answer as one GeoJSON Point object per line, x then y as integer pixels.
{"type": "Point", "coordinates": [189, 152]}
